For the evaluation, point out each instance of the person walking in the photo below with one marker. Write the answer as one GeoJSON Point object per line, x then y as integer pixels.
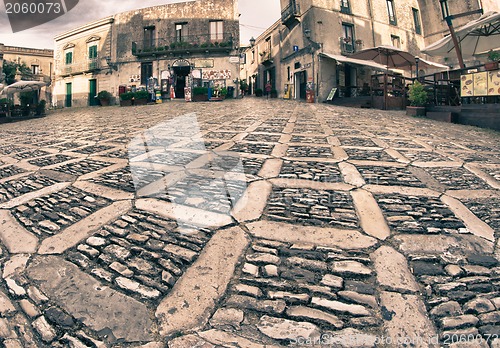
{"type": "Point", "coordinates": [268, 89]}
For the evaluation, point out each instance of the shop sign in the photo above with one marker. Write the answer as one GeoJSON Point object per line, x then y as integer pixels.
{"type": "Point", "coordinates": [204, 63]}
{"type": "Point", "coordinates": [486, 83]}
{"type": "Point", "coordinates": [306, 66]}
{"type": "Point", "coordinates": [216, 74]}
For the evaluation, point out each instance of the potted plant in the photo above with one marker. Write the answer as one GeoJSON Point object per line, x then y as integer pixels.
{"type": "Point", "coordinates": [223, 92]}
{"type": "Point", "coordinates": [259, 92]}
{"type": "Point", "coordinates": [141, 97]}
{"type": "Point", "coordinates": [40, 108]}
{"type": "Point", "coordinates": [126, 99]}
{"type": "Point", "coordinates": [418, 98]}
{"type": "Point", "coordinates": [494, 58]}
{"type": "Point", "coordinates": [200, 94]}
{"type": "Point", "coordinates": [104, 97]}
{"type": "Point", "coordinates": [274, 93]}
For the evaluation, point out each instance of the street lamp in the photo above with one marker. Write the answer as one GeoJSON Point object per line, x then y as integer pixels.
{"type": "Point", "coordinates": [252, 42]}
{"type": "Point", "coordinates": [111, 66]}
{"type": "Point", "coordinates": [417, 59]}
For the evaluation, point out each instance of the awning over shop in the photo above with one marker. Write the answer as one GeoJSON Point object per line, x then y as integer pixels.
{"type": "Point", "coordinates": [344, 59]}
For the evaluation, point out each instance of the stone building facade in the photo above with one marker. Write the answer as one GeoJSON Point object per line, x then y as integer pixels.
{"type": "Point", "coordinates": [180, 45]}
{"type": "Point", "coordinates": [311, 44]}
{"type": "Point", "coordinates": [40, 61]}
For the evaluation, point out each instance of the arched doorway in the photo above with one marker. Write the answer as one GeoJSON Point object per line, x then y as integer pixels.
{"type": "Point", "coordinates": [181, 69]}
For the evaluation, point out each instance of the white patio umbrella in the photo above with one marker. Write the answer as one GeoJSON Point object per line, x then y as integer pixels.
{"type": "Point", "coordinates": [476, 37]}
{"type": "Point", "coordinates": [23, 86]}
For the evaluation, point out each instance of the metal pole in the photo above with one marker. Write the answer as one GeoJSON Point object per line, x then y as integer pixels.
{"type": "Point", "coordinates": [455, 42]}
{"type": "Point", "coordinates": [416, 66]}
{"type": "Point", "coordinates": [454, 36]}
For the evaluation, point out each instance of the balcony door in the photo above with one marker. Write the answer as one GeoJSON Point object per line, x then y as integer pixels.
{"type": "Point", "coordinates": [180, 32]}
{"type": "Point", "coordinates": [149, 37]}
{"type": "Point", "coordinates": [216, 31]}
{"type": "Point", "coordinates": [348, 38]}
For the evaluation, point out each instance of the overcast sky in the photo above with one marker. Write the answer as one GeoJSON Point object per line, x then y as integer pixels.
{"type": "Point", "coordinates": [256, 16]}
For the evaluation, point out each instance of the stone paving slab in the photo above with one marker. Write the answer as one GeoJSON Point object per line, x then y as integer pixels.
{"type": "Point", "coordinates": [248, 223]}
{"type": "Point", "coordinates": [98, 307]}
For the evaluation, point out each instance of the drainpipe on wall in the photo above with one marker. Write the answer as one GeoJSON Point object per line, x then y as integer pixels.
{"type": "Point", "coordinates": [370, 10]}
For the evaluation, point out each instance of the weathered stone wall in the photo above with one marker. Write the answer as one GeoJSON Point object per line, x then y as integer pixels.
{"type": "Point", "coordinates": [117, 33]}
{"type": "Point", "coordinates": [30, 56]}
{"type": "Point", "coordinates": [195, 14]}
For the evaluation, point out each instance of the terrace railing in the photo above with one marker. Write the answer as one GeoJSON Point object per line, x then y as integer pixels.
{"type": "Point", "coordinates": [186, 44]}
{"type": "Point", "coordinates": [88, 65]}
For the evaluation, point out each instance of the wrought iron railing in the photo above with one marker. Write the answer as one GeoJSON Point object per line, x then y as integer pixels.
{"type": "Point", "coordinates": [266, 57]}
{"type": "Point", "coordinates": [191, 43]}
{"type": "Point", "coordinates": [290, 11]}
{"type": "Point", "coordinates": [347, 46]}
{"type": "Point", "coordinates": [88, 65]}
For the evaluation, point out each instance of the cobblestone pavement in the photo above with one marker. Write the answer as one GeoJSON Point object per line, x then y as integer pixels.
{"type": "Point", "coordinates": [248, 223]}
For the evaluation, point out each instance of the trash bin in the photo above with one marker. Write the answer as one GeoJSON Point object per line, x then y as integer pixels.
{"type": "Point", "coordinates": [230, 92]}
{"type": "Point", "coordinates": [310, 96]}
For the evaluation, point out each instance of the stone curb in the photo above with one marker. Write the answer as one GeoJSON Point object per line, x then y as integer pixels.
{"type": "Point", "coordinates": [183, 213]}
{"type": "Point", "coordinates": [15, 238]}
{"type": "Point", "coordinates": [253, 202]}
{"type": "Point", "coordinates": [192, 300]}
{"type": "Point", "coordinates": [351, 174]}
{"type": "Point", "coordinates": [406, 319]}
{"type": "Point", "coordinates": [298, 183]}
{"type": "Point", "coordinates": [471, 221]}
{"type": "Point", "coordinates": [404, 190]}
{"type": "Point", "coordinates": [392, 271]}
{"type": "Point", "coordinates": [372, 220]}
{"type": "Point", "coordinates": [345, 239]}
{"type": "Point", "coordinates": [103, 191]}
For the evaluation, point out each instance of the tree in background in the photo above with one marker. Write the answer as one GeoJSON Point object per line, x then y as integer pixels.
{"type": "Point", "coordinates": [11, 69]}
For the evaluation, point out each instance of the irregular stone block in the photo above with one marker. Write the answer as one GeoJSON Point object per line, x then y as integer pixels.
{"type": "Point", "coordinates": [96, 306]}
{"type": "Point", "coordinates": [301, 312]}
{"type": "Point", "coordinates": [478, 306]}
{"type": "Point", "coordinates": [447, 309]}
{"type": "Point", "coordinates": [459, 322]}
{"type": "Point", "coordinates": [341, 307]}
{"type": "Point", "coordinates": [281, 329]}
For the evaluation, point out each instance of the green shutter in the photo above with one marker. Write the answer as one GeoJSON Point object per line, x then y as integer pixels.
{"type": "Point", "coordinates": [92, 52]}
{"type": "Point", "coordinates": [69, 57]}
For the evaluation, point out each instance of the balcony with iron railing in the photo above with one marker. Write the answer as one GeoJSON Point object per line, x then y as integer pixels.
{"type": "Point", "coordinates": [222, 42]}
{"type": "Point", "coordinates": [290, 14]}
{"type": "Point", "coordinates": [349, 46]}
{"type": "Point", "coordinates": [89, 65]}
{"type": "Point", "coordinates": [266, 58]}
